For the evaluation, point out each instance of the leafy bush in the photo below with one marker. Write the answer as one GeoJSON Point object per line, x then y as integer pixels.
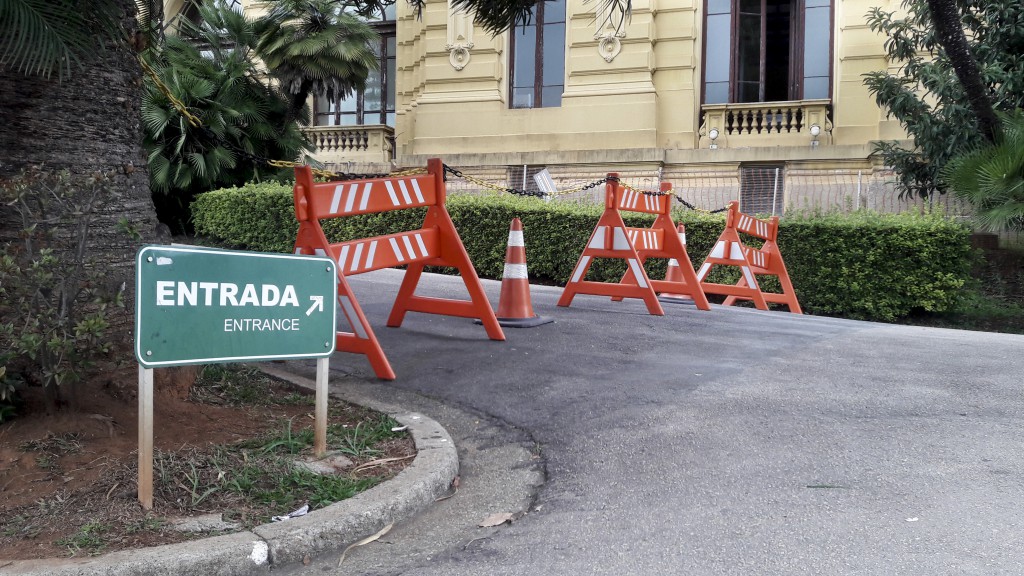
{"type": "Point", "coordinates": [991, 177]}
{"type": "Point", "coordinates": [864, 265]}
{"type": "Point", "coordinates": [7, 391]}
{"type": "Point", "coordinates": [53, 315]}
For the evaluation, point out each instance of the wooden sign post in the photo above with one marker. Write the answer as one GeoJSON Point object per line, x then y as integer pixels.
{"type": "Point", "coordinates": [203, 306]}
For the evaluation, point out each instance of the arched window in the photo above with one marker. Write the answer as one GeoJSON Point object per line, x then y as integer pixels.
{"type": "Point", "coordinates": [767, 50]}
{"type": "Point", "coordinates": [538, 58]}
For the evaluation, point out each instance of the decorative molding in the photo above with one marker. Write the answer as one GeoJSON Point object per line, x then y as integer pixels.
{"type": "Point", "coordinates": [460, 37]}
{"type": "Point", "coordinates": [611, 28]}
{"type": "Point", "coordinates": [609, 46]}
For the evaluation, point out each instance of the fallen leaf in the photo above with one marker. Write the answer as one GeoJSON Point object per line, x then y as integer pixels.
{"type": "Point", "coordinates": [497, 519]}
{"type": "Point", "coordinates": [366, 540]}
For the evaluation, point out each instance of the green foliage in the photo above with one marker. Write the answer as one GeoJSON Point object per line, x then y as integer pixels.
{"type": "Point", "coordinates": [864, 265]}
{"type": "Point", "coordinates": [212, 69]}
{"type": "Point", "coordinates": [876, 266]}
{"type": "Point", "coordinates": [925, 95]}
{"type": "Point", "coordinates": [7, 391]}
{"type": "Point", "coordinates": [89, 538]}
{"type": "Point", "coordinates": [315, 47]}
{"type": "Point", "coordinates": [991, 178]}
{"type": "Point", "coordinates": [40, 37]}
{"type": "Point", "coordinates": [53, 314]}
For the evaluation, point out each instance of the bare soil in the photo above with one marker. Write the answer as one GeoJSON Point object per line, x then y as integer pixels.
{"type": "Point", "coordinates": [68, 479]}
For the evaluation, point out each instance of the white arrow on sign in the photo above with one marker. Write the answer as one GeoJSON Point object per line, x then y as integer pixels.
{"type": "Point", "coordinates": [318, 304]}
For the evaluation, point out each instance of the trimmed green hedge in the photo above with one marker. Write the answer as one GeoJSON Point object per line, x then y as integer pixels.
{"type": "Point", "coordinates": [862, 265]}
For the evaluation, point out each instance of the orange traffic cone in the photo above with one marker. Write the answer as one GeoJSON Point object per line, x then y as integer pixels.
{"type": "Point", "coordinates": [674, 274]}
{"type": "Point", "coordinates": [514, 307]}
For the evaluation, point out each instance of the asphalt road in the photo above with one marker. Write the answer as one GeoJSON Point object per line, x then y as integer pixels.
{"type": "Point", "coordinates": [729, 441]}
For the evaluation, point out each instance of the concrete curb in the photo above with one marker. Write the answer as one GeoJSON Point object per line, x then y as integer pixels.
{"type": "Point", "coordinates": [332, 528]}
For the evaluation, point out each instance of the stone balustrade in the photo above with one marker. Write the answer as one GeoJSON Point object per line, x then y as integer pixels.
{"type": "Point", "coordinates": [755, 124]}
{"type": "Point", "coordinates": [340, 145]}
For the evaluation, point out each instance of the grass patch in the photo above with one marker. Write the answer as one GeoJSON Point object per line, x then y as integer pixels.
{"type": "Point", "coordinates": [89, 538]}
{"type": "Point", "coordinates": [233, 385]}
{"type": "Point", "coordinates": [246, 481]}
{"type": "Point", "coordinates": [254, 479]}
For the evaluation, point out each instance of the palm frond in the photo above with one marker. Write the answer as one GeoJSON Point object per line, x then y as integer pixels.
{"type": "Point", "coordinates": [41, 37]}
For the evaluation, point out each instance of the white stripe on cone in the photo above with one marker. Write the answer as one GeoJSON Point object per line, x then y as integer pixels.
{"type": "Point", "coordinates": [514, 302]}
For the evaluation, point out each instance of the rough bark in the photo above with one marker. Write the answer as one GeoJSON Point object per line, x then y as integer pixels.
{"type": "Point", "coordinates": [946, 17]}
{"type": "Point", "coordinates": [86, 123]}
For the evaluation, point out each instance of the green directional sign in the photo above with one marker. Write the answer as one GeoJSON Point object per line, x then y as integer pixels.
{"type": "Point", "coordinates": [200, 306]}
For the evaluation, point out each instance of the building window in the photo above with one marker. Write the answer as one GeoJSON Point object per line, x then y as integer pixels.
{"type": "Point", "coordinates": [376, 103]}
{"type": "Point", "coordinates": [538, 58]}
{"type": "Point", "coordinates": [767, 50]}
{"type": "Point", "coordinates": [524, 177]}
{"type": "Point", "coordinates": [761, 188]}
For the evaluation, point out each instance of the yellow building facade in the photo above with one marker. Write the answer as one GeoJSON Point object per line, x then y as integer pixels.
{"type": "Point", "coordinates": [757, 100]}
{"type": "Point", "coordinates": [670, 93]}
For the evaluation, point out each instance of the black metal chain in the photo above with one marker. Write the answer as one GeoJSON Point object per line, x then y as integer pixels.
{"type": "Point", "coordinates": [695, 209]}
{"type": "Point", "coordinates": [261, 160]}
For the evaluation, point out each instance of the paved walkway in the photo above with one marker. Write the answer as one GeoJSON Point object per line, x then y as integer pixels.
{"type": "Point", "coordinates": [700, 443]}
{"type": "Point", "coordinates": [706, 443]}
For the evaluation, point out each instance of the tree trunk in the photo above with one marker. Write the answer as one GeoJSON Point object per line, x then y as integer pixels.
{"type": "Point", "coordinates": [946, 17]}
{"type": "Point", "coordinates": [87, 123]}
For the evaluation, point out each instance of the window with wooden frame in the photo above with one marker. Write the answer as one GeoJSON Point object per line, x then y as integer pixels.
{"type": "Point", "coordinates": [537, 54]}
{"type": "Point", "coordinates": [376, 103]}
{"type": "Point", "coordinates": [767, 50]}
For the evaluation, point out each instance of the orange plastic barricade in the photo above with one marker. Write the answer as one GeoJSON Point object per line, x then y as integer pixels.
{"type": "Point", "coordinates": [613, 239]}
{"type": "Point", "coordinates": [437, 243]}
{"type": "Point", "coordinates": [766, 261]}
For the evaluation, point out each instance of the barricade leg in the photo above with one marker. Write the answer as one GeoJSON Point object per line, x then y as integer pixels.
{"type": "Point", "coordinates": [361, 340]}
{"type": "Point", "coordinates": [453, 254]}
{"type": "Point", "coordinates": [790, 296]}
{"type": "Point", "coordinates": [629, 278]}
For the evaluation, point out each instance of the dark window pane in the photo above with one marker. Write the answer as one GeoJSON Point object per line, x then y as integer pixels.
{"type": "Point", "coordinates": [776, 64]}
{"type": "Point", "coordinates": [817, 3]}
{"type": "Point", "coordinates": [748, 60]}
{"type": "Point", "coordinates": [390, 119]}
{"type": "Point", "coordinates": [750, 6]}
{"type": "Point", "coordinates": [748, 92]}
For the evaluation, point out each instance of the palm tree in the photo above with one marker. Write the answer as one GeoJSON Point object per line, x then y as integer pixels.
{"type": "Point", "coordinates": [991, 178]}
{"type": "Point", "coordinates": [71, 96]}
{"type": "Point", "coordinates": [211, 68]}
{"type": "Point", "coordinates": [315, 47]}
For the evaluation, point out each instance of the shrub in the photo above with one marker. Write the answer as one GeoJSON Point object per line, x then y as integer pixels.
{"type": "Point", "coordinates": [53, 316]}
{"type": "Point", "coordinates": [863, 265]}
